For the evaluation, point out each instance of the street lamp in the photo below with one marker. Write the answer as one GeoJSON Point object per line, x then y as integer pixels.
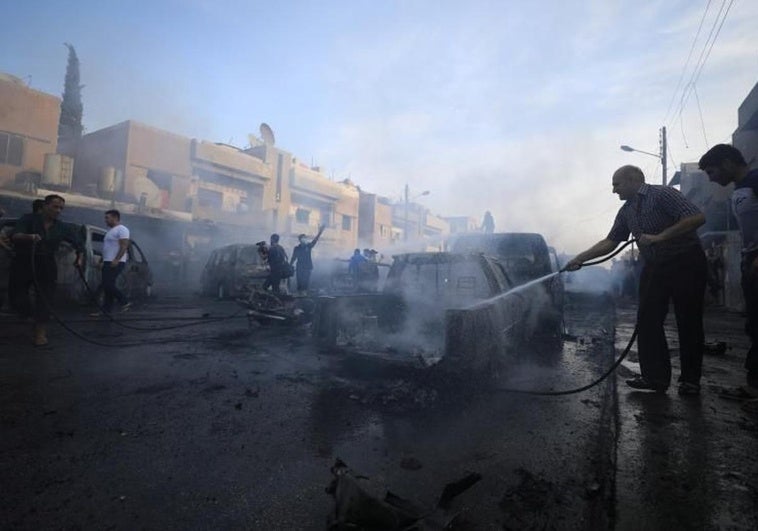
{"type": "Point", "coordinates": [660, 156]}
{"type": "Point", "coordinates": [407, 201]}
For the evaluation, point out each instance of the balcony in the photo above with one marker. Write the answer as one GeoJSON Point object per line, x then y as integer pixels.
{"type": "Point", "coordinates": [307, 180]}
{"type": "Point", "coordinates": [252, 218]}
{"type": "Point", "coordinates": [231, 159]}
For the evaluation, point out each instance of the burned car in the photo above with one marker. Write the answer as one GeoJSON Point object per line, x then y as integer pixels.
{"type": "Point", "coordinates": [526, 258]}
{"type": "Point", "coordinates": [135, 282]}
{"type": "Point", "coordinates": [456, 308]}
{"type": "Point", "coordinates": [233, 271]}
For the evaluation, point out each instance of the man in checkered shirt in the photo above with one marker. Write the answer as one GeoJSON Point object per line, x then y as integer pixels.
{"type": "Point", "coordinates": [664, 222]}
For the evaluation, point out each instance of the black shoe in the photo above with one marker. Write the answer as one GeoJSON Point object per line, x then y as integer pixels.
{"type": "Point", "coordinates": [689, 389]}
{"type": "Point", "coordinates": [639, 382]}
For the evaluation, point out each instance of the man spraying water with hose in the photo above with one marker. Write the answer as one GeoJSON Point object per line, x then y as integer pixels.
{"type": "Point", "coordinates": [664, 223]}
{"type": "Point", "coordinates": [36, 238]}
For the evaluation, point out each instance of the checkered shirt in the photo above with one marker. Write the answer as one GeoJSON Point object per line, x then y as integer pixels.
{"type": "Point", "coordinates": [654, 209]}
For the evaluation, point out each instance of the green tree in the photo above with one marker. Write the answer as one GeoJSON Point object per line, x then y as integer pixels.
{"type": "Point", "coordinates": [70, 124]}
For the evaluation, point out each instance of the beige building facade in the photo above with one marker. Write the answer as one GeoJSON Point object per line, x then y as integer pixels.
{"type": "Point", "coordinates": [375, 222]}
{"type": "Point", "coordinates": [262, 189]}
{"type": "Point", "coordinates": [28, 130]}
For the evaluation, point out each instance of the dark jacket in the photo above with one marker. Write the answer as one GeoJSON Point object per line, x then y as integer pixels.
{"type": "Point", "coordinates": [51, 239]}
{"type": "Point", "coordinates": [277, 257]}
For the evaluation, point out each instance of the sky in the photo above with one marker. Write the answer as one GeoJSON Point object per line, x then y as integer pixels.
{"type": "Point", "coordinates": [510, 106]}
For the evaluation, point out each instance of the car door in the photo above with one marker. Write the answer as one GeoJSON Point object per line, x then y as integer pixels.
{"type": "Point", "coordinates": [137, 277]}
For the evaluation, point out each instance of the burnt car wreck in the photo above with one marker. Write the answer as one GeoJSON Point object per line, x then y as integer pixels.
{"type": "Point", "coordinates": [460, 310]}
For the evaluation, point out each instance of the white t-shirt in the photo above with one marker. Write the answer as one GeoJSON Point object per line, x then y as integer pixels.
{"type": "Point", "coordinates": [110, 243]}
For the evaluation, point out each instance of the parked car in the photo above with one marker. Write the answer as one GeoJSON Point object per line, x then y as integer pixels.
{"type": "Point", "coordinates": [136, 281]}
{"type": "Point", "coordinates": [525, 257]}
{"type": "Point", "coordinates": [233, 271]}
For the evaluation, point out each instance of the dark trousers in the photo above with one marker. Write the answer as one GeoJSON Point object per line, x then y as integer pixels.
{"type": "Point", "coordinates": [273, 281]}
{"type": "Point", "coordinates": [110, 291]}
{"type": "Point", "coordinates": [303, 279]}
{"type": "Point", "coordinates": [682, 280]}
{"type": "Point", "coordinates": [750, 292]}
{"type": "Point", "coordinates": [46, 272]}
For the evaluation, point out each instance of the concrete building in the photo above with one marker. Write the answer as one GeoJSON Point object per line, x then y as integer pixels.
{"type": "Point", "coordinates": [416, 224]}
{"type": "Point", "coordinates": [745, 138]}
{"type": "Point", "coordinates": [262, 189]}
{"type": "Point", "coordinates": [460, 224]}
{"type": "Point", "coordinates": [375, 222]}
{"type": "Point", "coordinates": [28, 130]}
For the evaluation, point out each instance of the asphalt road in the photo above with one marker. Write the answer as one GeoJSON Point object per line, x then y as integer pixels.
{"type": "Point", "coordinates": [223, 426]}
{"type": "Point", "coordinates": [688, 462]}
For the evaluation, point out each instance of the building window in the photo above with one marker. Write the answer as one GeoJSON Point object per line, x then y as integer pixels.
{"type": "Point", "coordinates": [326, 216]}
{"type": "Point", "coordinates": [347, 223]}
{"type": "Point", "coordinates": [302, 215]}
{"type": "Point", "coordinates": [11, 149]}
{"type": "Point", "coordinates": [209, 198]}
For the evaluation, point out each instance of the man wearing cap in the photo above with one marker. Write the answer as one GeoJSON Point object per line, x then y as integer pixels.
{"type": "Point", "coordinates": [301, 259]}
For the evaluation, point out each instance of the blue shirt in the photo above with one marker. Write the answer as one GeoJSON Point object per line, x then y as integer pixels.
{"type": "Point", "coordinates": [745, 208]}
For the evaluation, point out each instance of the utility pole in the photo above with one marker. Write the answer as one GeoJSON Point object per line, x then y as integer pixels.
{"type": "Point", "coordinates": [664, 154]}
{"type": "Point", "coordinates": [405, 227]}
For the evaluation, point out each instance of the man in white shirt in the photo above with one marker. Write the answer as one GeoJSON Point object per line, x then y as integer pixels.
{"type": "Point", "coordinates": [115, 249]}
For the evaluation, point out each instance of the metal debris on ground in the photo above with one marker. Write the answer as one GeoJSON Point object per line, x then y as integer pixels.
{"type": "Point", "coordinates": [360, 504]}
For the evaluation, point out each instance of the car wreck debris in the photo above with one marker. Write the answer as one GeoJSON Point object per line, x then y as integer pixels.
{"type": "Point", "coordinates": [359, 504]}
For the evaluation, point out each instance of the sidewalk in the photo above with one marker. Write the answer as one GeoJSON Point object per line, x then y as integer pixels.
{"type": "Point", "coordinates": [687, 462]}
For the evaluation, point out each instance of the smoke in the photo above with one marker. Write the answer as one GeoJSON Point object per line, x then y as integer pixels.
{"type": "Point", "coordinates": [410, 319]}
{"type": "Point", "coordinates": [593, 279]}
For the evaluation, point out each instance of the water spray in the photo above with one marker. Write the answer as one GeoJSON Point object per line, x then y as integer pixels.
{"type": "Point", "coordinates": [615, 364]}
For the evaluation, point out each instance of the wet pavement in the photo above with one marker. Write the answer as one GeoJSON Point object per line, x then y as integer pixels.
{"type": "Point", "coordinates": [688, 462]}
{"type": "Point", "coordinates": [235, 428]}
{"type": "Point", "coordinates": [221, 426]}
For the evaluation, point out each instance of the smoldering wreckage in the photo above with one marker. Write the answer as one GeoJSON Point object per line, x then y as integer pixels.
{"type": "Point", "coordinates": [467, 312]}
{"type": "Point", "coordinates": [454, 317]}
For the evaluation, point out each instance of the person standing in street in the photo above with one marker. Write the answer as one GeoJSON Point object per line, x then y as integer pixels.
{"type": "Point", "coordinates": [302, 260]}
{"type": "Point", "coordinates": [724, 165]}
{"type": "Point", "coordinates": [664, 223]}
{"type": "Point", "coordinates": [115, 255]}
{"type": "Point", "coordinates": [277, 260]}
{"type": "Point", "coordinates": [488, 223]}
{"type": "Point", "coordinates": [36, 238]}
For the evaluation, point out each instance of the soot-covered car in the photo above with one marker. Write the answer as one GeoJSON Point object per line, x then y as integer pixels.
{"type": "Point", "coordinates": [233, 271]}
{"type": "Point", "coordinates": [526, 258]}
{"type": "Point", "coordinates": [455, 307]}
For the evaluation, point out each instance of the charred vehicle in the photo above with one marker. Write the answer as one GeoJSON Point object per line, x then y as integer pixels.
{"type": "Point", "coordinates": [135, 282]}
{"type": "Point", "coordinates": [526, 258]}
{"type": "Point", "coordinates": [451, 308]}
{"type": "Point", "coordinates": [233, 271]}
{"type": "Point", "coordinates": [266, 307]}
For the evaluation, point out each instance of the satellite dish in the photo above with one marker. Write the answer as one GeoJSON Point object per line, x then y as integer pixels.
{"type": "Point", "coordinates": [267, 134]}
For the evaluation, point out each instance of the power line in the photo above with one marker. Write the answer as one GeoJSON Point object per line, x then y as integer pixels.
{"type": "Point", "coordinates": [687, 62]}
{"type": "Point", "coordinates": [702, 122]}
{"type": "Point", "coordinates": [705, 53]}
